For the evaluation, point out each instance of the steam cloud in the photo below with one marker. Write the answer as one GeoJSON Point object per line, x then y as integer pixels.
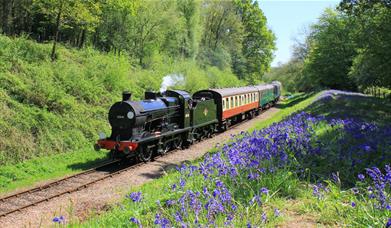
{"type": "Point", "coordinates": [171, 80]}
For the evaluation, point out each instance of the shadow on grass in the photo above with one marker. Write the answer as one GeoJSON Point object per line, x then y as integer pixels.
{"type": "Point", "coordinates": [89, 164]}
{"type": "Point", "coordinates": [348, 151]}
{"type": "Point", "coordinates": [293, 101]}
{"type": "Point", "coordinates": [366, 108]}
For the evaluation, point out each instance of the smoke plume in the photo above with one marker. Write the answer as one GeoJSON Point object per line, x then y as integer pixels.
{"type": "Point", "coordinates": [172, 80]}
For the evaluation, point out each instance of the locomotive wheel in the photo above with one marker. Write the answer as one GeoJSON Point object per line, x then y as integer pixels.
{"type": "Point", "coordinates": [164, 148]}
{"type": "Point", "coordinates": [178, 143]}
{"type": "Point", "coordinates": [112, 154]}
{"type": "Point", "coordinates": [145, 154]}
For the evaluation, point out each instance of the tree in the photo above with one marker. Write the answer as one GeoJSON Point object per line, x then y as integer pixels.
{"type": "Point", "coordinates": [258, 42]}
{"type": "Point", "coordinates": [372, 35]}
{"type": "Point", "coordinates": [83, 14]}
{"type": "Point", "coordinates": [331, 51]}
{"type": "Point", "coordinates": [190, 11]}
{"type": "Point", "coordinates": [222, 34]}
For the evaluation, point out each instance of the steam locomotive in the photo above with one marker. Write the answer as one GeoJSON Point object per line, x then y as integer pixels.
{"type": "Point", "coordinates": [174, 119]}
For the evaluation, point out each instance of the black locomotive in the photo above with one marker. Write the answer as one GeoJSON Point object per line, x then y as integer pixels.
{"type": "Point", "coordinates": [174, 119]}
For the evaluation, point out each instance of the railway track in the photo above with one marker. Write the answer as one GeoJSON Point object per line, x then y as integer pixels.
{"type": "Point", "coordinates": [34, 196]}
{"type": "Point", "coordinates": [31, 197]}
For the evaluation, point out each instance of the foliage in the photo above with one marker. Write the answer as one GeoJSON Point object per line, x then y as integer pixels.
{"type": "Point", "coordinates": [231, 35]}
{"type": "Point", "coordinates": [258, 43]}
{"type": "Point", "coordinates": [347, 48]}
{"type": "Point", "coordinates": [371, 65]}
{"type": "Point", "coordinates": [331, 54]}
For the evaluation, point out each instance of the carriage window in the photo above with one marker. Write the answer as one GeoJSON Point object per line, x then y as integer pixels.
{"type": "Point", "coordinates": [236, 101]}
{"type": "Point", "coordinates": [224, 104]}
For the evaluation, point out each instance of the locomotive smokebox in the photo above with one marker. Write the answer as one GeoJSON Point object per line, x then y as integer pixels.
{"type": "Point", "coordinates": [126, 96]}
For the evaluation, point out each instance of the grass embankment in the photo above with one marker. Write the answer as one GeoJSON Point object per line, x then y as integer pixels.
{"type": "Point", "coordinates": [302, 171]}
{"type": "Point", "coordinates": [57, 107]}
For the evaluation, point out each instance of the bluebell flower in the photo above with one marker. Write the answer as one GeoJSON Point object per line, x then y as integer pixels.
{"type": "Point", "coordinates": [388, 224]}
{"type": "Point", "coordinates": [353, 204]}
{"type": "Point", "coordinates": [264, 190]}
{"type": "Point", "coordinates": [276, 212]}
{"type": "Point", "coordinates": [170, 203]}
{"type": "Point", "coordinates": [135, 196]}
{"type": "Point", "coordinates": [264, 217]}
{"type": "Point", "coordinates": [60, 219]}
{"type": "Point", "coordinates": [135, 221]}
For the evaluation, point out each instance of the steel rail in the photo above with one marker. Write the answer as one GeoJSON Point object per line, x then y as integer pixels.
{"type": "Point", "coordinates": [50, 185]}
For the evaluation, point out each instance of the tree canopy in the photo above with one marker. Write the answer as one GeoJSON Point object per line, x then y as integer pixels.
{"type": "Point", "coordinates": [347, 48]}
{"type": "Point", "coordinates": [230, 34]}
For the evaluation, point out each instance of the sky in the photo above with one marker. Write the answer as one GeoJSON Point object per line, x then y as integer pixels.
{"type": "Point", "coordinates": [288, 18]}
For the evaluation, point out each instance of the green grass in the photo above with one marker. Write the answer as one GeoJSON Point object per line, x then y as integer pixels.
{"type": "Point", "coordinates": [36, 170]}
{"type": "Point", "coordinates": [298, 103]}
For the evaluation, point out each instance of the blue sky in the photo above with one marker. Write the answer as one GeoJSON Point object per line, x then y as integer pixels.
{"type": "Point", "coordinates": [287, 18]}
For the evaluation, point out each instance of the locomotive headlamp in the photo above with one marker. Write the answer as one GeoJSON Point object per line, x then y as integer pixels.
{"type": "Point", "coordinates": [127, 149]}
{"type": "Point", "coordinates": [130, 115]}
{"type": "Point", "coordinates": [102, 135]}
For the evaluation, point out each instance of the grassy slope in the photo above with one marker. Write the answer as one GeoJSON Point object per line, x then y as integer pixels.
{"type": "Point", "coordinates": [51, 112]}
{"type": "Point", "coordinates": [54, 107]}
{"type": "Point", "coordinates": [294, 197]}
{"type": "Point", "coordinates": [119, 216]}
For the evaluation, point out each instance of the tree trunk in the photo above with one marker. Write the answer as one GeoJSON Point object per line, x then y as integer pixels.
{"type": "Point", "coordinates": [4, 24]}
{"type": "Point", "coordinates": [217, 35]}
{"type": "Point", "coordinates": [82, 38]}
{"type": "Point", "coordinates": [58, 21]}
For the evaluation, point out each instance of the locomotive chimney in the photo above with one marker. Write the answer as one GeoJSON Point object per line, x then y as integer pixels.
{"type": "Point", "coordinates": [126, 96]}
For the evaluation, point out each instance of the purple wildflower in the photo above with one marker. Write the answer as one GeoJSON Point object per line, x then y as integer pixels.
{"type": "Point", "coordinates": [135, 221]}
{"type": "Point", "coordinates": [59, 220]}
{"type": "Point", "coordinates": [388, 224]}
{"type": "Point", "coordinates": [264, 217]}
{"type": "Point", "coordinates": [135, 196]}
{"type": "Point", "coordinates": [276, 212]}
{"type": "Point", "coordinates": [264, 190]}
